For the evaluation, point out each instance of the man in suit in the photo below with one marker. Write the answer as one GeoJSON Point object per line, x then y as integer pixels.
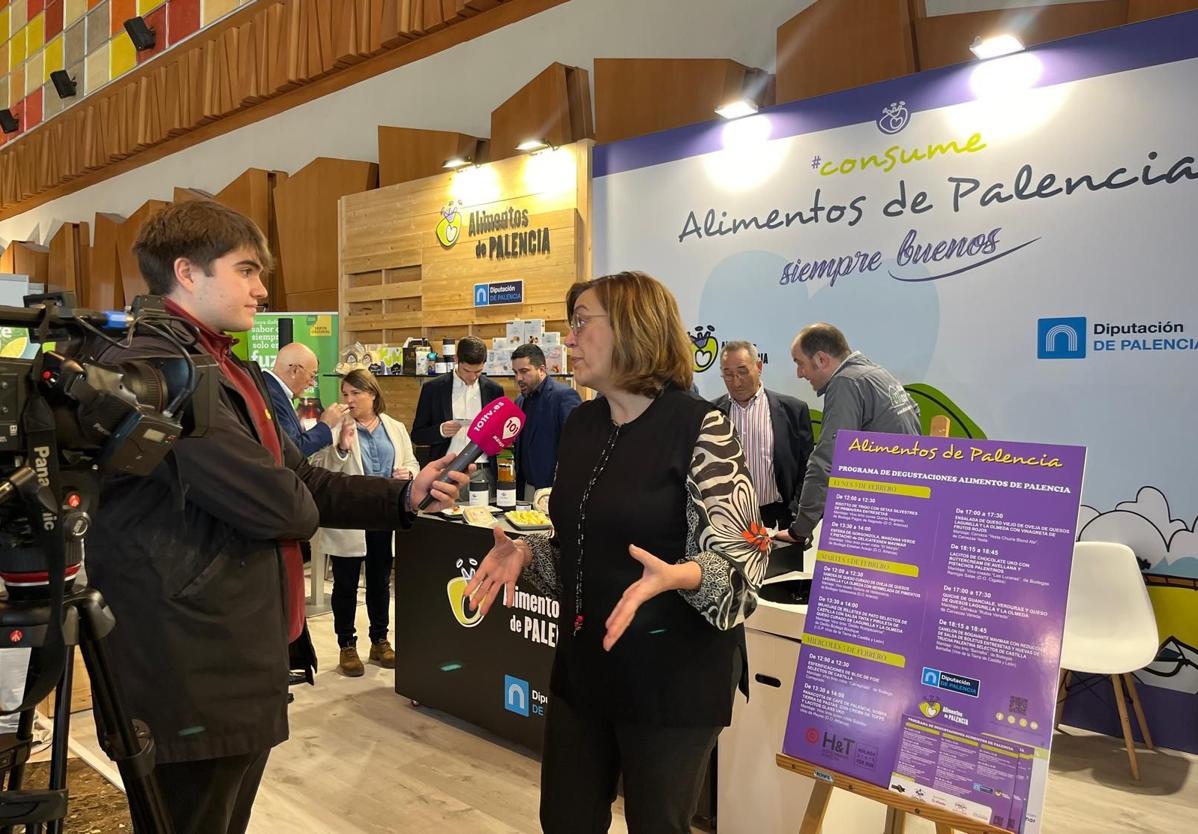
{"type": "Point", "coordinates": [294, 371]}
{"type": "Point", "coordinates": [774, 429]}
{"type": "Point", "coordinates": [546, 404]}
{"type": "Point", "coordinates": [449, 403]}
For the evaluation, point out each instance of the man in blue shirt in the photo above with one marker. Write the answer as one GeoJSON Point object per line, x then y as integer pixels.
{"type": "Point", "coordinates": [295, 370]}
{"type": "Point", "coordinates": [547, 404]}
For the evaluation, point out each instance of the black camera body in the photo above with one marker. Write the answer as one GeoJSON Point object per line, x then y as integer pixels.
{"type": "Point", "coordinates": [66, 419]}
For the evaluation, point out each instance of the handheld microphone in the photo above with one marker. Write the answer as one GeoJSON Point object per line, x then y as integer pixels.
{"type": "Point", "coordinates": [494, 430]}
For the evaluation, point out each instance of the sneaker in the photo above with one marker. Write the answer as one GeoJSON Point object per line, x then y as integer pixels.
{"type": "Point", "coordinates": [350, 663]}
{"type": "Point", "coordinates": [382, 653]}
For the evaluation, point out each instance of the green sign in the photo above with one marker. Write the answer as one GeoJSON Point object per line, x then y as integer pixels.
{"type": "Point", "coordinates": [316, 330]}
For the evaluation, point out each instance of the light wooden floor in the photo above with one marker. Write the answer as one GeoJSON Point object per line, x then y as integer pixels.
{"type": "Point", "coordinates": [361, 759]}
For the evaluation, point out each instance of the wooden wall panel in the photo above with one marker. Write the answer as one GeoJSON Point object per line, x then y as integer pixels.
{"type": "Point", "coordinates": [306, 207]}
{"type": "Point", "coordinates": [104, 290]}
{"type": "Point", "coordinates": [132, 282]}
{"type": "Point", "coordinates": [398, 279]}
{"type": "Point", "coordinates": [945, 39]}
{"type": "Point", "coordinates": [1138, 10]}
{"type": "Point", "coordinates": [635, 96]}
{"type": "Point", "coordinates": [550, 107]}
{"type": "Point", "coordinates": [24, 257]}
{"type": "Point", "coordinates": [836, 44]}
{"type": "Point", "coordinates": [410, 154]}
{"type": "Point", "coordinates": [68, 262]}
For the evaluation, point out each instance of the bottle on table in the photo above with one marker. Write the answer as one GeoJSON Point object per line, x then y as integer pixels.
{"type": "Point", "coordinates": [505, 488]}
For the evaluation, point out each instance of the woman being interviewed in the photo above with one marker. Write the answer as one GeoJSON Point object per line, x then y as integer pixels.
{"type": "Point", "coordinates": [369, 442]}
{"type": "Point", "coordinates": [656, 557]}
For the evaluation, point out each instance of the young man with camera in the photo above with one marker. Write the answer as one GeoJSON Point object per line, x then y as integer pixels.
{"type": "Point", "coordinates": [200, 561]}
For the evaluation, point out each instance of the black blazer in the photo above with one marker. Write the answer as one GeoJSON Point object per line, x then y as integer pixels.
{"type": "Point", "coordinates": [793, 440]}
{"type": "Point", "coordinates": [435, 406]}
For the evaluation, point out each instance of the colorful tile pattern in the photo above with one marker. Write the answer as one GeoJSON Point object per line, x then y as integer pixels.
{"type": "Point", "coordinates": [88, 39]}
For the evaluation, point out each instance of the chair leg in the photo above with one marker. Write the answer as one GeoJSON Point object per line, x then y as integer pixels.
{"type": "Point", "coordinates": [1131, 744]}
{"type": "Point", "coordinates": [1062, 694]}
{"type": "Point", "coordinates": [1130, 680]}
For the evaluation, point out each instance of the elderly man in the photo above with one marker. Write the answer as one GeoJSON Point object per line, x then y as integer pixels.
{"type": "Point", "coordinates": [858, 395]}
{"type": "Point", "coordinates": [294, 372]}
{"type": "Point", "coordinates": [774, 429]}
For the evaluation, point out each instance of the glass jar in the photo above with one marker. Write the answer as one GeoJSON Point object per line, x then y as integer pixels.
{"type": "Point", "coordinates": [505, 487]}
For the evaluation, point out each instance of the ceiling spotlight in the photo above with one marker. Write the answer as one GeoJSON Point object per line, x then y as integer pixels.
{"type": "Point", "coordinates": [64, 85]}
{"type": "Point", "coordinates": [532, 145]}
{"type": "Point", "coordinates": [995, 46]}
{"type": "Point", "coordinates": [457, 162]}
{"type": "Point", "coordinates": [143, 36]}
{"type": "Point", "coordinates": [738, 108]}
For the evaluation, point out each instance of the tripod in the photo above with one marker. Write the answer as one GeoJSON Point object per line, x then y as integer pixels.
{"type": "Point", "coordinates": [86, 622]}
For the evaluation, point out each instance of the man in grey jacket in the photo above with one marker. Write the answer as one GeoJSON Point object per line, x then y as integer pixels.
{"type": "Point", "coordinates": [858, 395]}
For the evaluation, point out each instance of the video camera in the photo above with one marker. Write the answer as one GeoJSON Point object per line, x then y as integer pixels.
{"type": "Point", "coordinates": [66, 417]}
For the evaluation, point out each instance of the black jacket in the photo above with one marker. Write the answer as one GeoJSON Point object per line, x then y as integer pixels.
{"type": "Point", "coordinates": [793, 441]}
{"type": "Point", "coordinates": [188, 561]}
{"type": "Point", "coordinates": [435, 406]}
{"type": "Point", "coordinates": [536, 447]}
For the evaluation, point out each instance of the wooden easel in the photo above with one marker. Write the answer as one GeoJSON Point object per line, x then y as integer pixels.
{"type": "Point", "coordinates": [898, 805]}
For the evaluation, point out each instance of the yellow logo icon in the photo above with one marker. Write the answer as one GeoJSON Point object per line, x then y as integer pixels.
{"type": "Point", "coordinates": [704, 347]}
{"type": "Point", "coordinates": [929, 708]}
{"type": "Point", "coordinates": [465, 612]}
{"type": "Point", "coordinates": [449, 227]}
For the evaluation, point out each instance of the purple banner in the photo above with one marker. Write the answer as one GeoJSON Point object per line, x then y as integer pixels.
{"type": "Point", "coordinates": [932, 644]}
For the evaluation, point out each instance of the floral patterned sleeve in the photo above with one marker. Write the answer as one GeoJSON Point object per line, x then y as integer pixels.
{"type": "Point", "coordinates": [542, 570]}
{"type": "Point", "coordinates": [725, 536]}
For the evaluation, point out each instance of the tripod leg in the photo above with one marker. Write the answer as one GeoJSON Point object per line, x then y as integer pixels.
{"type": "Point", "coordinates": [130, 747]}
{"type": "Point", "coordinates": [62, 734]}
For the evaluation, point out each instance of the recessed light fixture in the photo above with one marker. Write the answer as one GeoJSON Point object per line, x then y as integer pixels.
{"type": "Point", "coordinates": [457, 162]}
{"type": "Point", "coordinates": [532, 145]}
{"type": "Point", "coordinates": [995, 46]}
{"type": "Point", "coordinates": [737, 109]}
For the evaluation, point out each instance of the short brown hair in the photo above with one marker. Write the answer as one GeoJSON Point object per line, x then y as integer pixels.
{"type": "Point", "coordinates": [472, 350]}
{"type": "Point", "coordinates": [650, 348]}
{"type": "Point", "coordinates": [364, 380]}
{"type": "Point", "coordinates": [824, 337]}
{"type": "Point", "coordinates": [201, 231]}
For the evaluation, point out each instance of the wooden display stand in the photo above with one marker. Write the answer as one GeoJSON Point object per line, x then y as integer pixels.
{"type": "Point", "coordinates": [899, 806]}
{"type": "Point", "coordinates": [406, 270]}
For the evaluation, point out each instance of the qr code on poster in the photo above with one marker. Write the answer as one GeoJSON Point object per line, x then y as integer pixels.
{"type": "Point", "coordinates": [1018, 706]}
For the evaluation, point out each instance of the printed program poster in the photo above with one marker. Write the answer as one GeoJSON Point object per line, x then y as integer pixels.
{"type": "Point", "coordinates": [932, 645]}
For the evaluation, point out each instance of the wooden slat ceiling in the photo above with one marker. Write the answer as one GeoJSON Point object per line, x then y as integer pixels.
{"type": "Point", "coordinates": [258, 54]}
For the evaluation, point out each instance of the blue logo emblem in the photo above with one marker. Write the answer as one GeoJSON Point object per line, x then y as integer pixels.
{"type": "Point", "coordinates": [482, 295]}
{"type": "Point", "coordinates": [930, 677]}
{"type": "Point", "coordinates": [1061, 338]}
{"type": "Point", "coordinates": [515, 695]}
{"type": "Point", "coordinates": [894, 118]}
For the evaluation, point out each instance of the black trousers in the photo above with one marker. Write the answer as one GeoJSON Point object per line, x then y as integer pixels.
{"type": "Point", "coordinates": [663, 769]}
{"type": "Point", "coordinates": [212, 796]}
{"type": "Point", "coordinates": [776, 514]}
{"type": "Point", "coordinates": [346, 570]}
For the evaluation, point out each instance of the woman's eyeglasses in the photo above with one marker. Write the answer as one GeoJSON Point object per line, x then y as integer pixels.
{"type": "Point", "coordinates": [578, 322]}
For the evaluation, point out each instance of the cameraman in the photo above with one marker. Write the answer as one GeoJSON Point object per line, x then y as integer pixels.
{"type": "Point", "coordinates": [200, 561]}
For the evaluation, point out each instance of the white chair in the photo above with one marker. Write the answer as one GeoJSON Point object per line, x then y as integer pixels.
{"type": "Point", "coordinates": [1110, 629]}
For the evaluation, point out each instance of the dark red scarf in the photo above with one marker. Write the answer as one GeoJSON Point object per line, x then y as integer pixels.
{"type": "Point", "coordinates": [218, 345]}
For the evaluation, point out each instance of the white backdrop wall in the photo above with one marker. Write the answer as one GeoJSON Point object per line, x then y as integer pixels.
{"type": "Point", "coordinates": [933, 218]}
